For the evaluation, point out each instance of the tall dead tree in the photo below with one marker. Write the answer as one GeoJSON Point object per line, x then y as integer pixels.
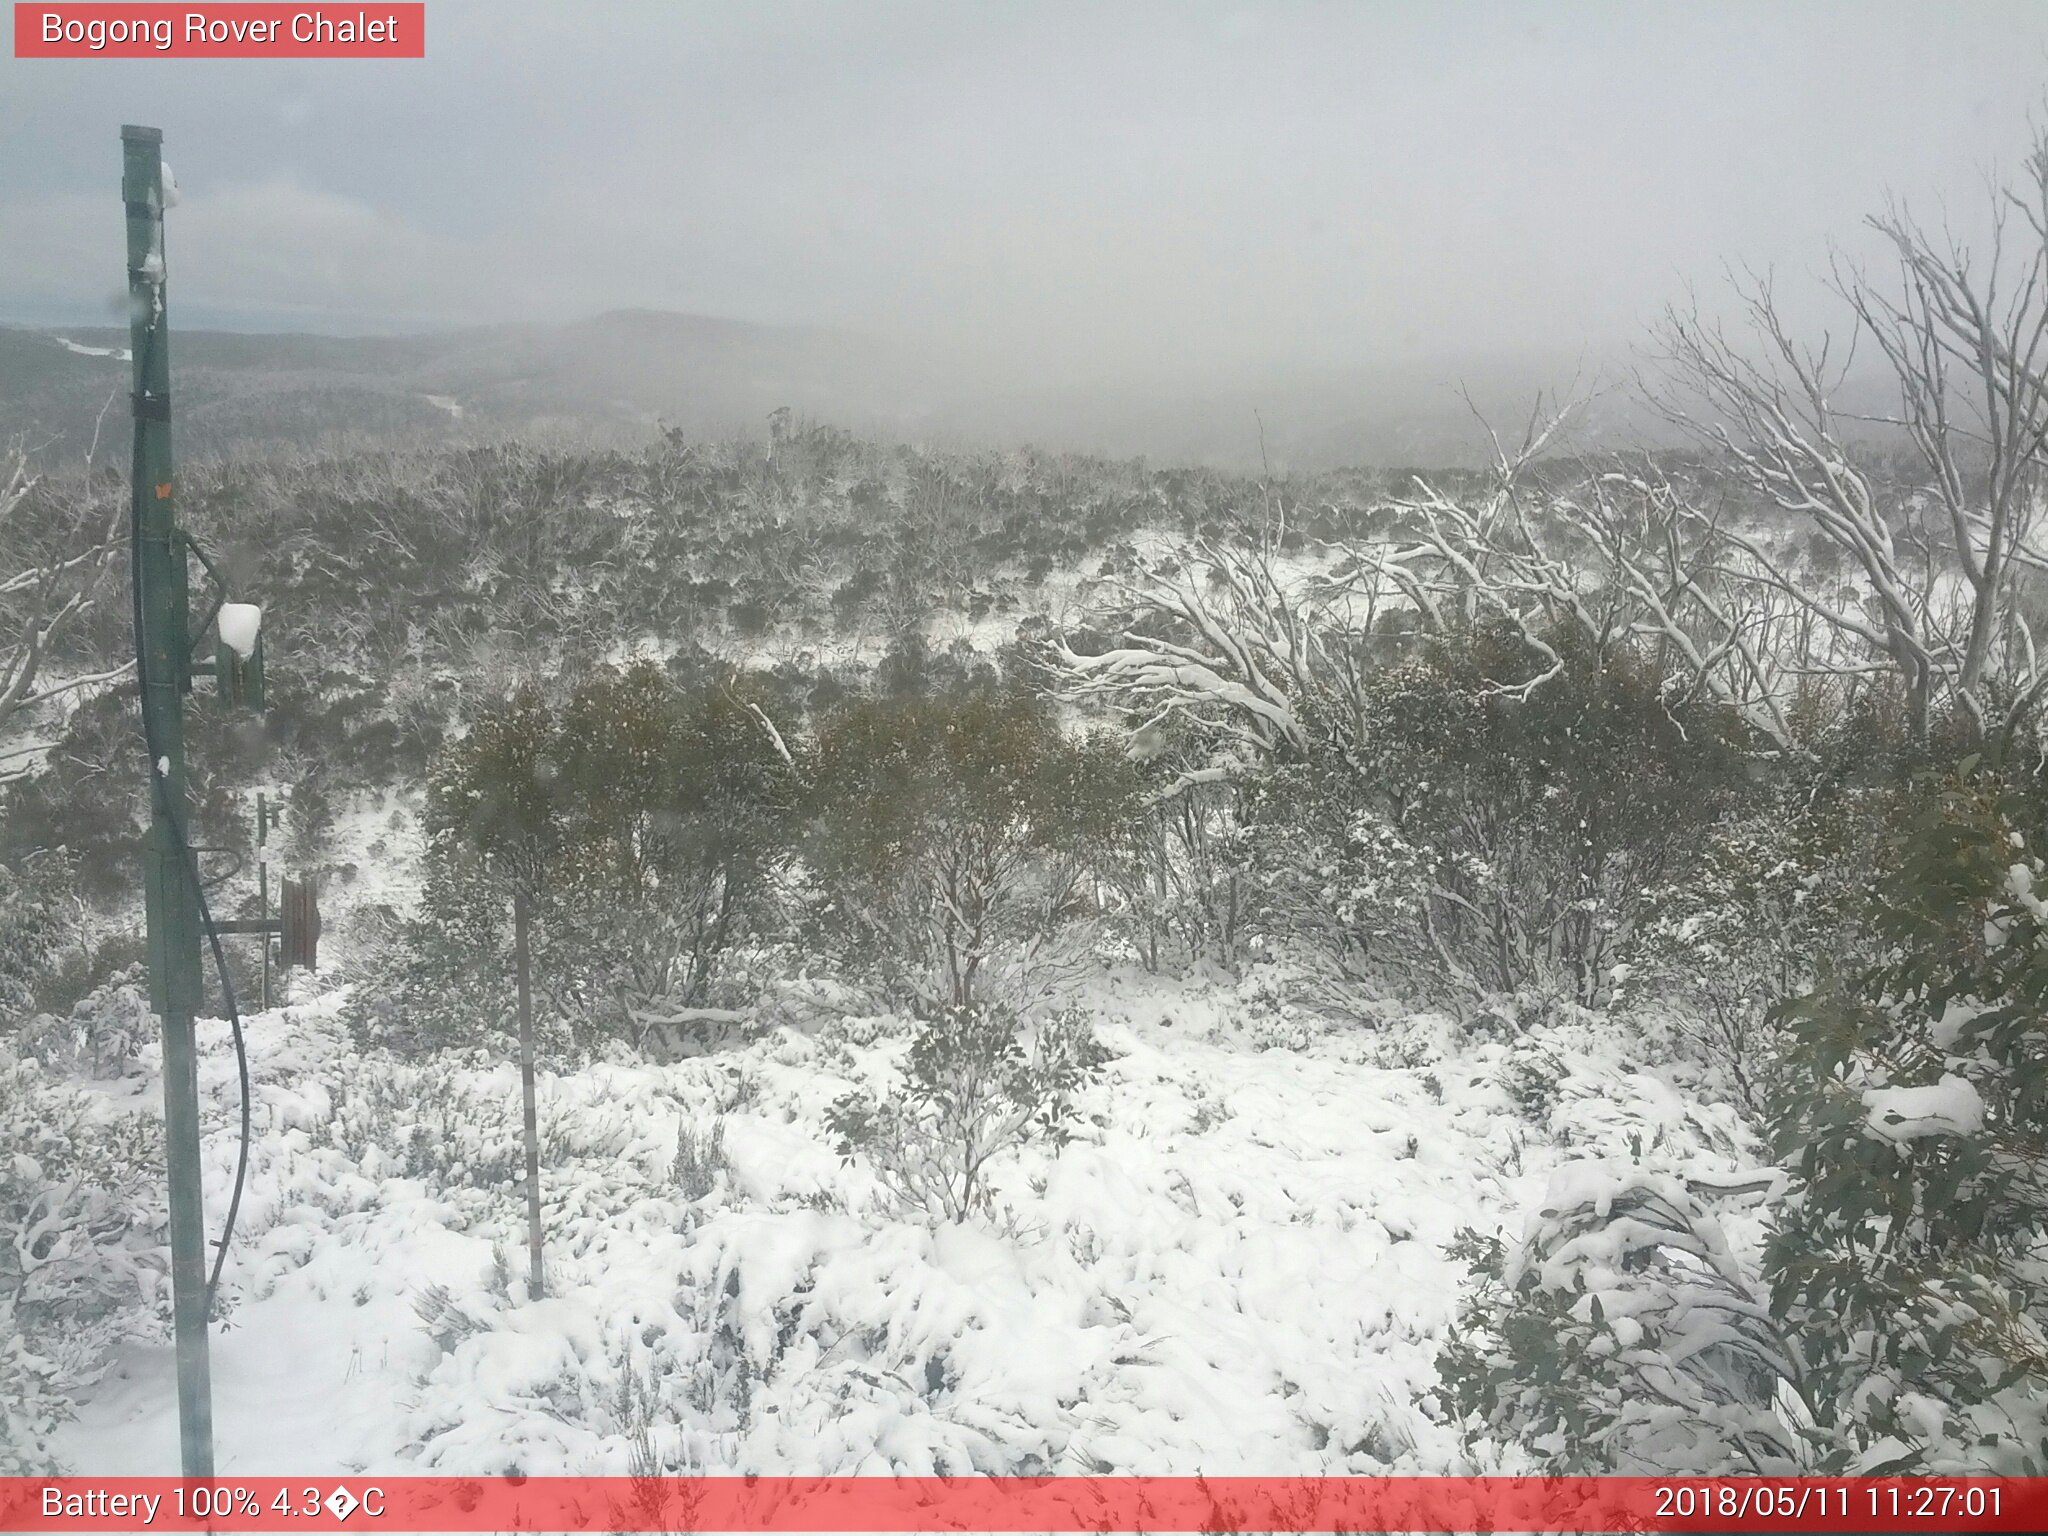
{"type": "Point", "coordinates": [1941, 567]}
{"type": "Point", "coordinates": [45, 587]}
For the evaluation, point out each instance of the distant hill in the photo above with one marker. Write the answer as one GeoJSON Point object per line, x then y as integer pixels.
{"type": "Point", "coordinates": [624, 372]}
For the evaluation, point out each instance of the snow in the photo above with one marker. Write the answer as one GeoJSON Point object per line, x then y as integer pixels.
{"type": "Point", "coordinates": [84, 351]}
{"type": "Point", "coordinates": [1238, 1266]}
{"type": "Point", "coordinates": [447, 403]}
{"type": "Point", "coordinates": [239, 625]}
{"type": "Point", "coordinates": [170, 183]}
{"type": "Point", "coordinates": [1956, 1016]}
{"type": "Point", "coordinates": [1951, 1107]}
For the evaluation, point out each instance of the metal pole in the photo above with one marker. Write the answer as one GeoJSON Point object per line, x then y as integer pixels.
{"type": "Point", "coordinates": [163, 652]}
{"type": "Point", "coordinates": [263, 886]}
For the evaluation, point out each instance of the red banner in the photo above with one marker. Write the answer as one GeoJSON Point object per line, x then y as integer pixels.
{"type": "Point", "coordinates": [238, 31]}
{"type": "Point", "coordinates": [1054, 1504]}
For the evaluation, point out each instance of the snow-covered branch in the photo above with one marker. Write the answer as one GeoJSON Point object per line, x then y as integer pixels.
{"type": "Point", "coordinates": [44, 596]}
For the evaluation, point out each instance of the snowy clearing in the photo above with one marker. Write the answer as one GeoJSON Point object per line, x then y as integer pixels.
{"type": "Point", "coordinates": [1239, 1266]}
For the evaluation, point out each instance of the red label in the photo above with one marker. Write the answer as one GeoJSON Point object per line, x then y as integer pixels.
{"type": "Point", "coordinates": [239, 31]}
{"type": "Point", "coordinates": [368, 1503]}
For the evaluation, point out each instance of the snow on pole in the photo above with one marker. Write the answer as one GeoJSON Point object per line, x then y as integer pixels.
{"type": "Point", "coordinates": [239, 626]}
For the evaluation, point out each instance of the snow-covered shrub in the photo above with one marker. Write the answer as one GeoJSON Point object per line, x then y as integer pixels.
{"type": "Point", "coordinates": [1529, 1074]}
{"type": "Point", "coordinates": [1619, 1336]}
{"type": "Point", "coordinates": [1478, 818]}
{"type": "Point", "coordinates": [428, 1121]}
{"type": "Point", "coordinates": [972, 1092]}
{"type": "Point", "coordinates": [1181, 875]}
{"type": "Point", "coordinates": [447, 1320]}
{"type": "Point", "coordinates": [700, 1159]}
{"type": "Point", "coordinates": [81, 1266]}
{"type": "Point", "coordinates": [33, 1403]}
{"type": "Point", "coordinates": [1334, 875]}
{"type": "Point", "coordinates": [1908, 1257]}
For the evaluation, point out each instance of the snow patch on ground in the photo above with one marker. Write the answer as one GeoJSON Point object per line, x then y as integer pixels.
{"type": "Point", "coordinates": [84, 351]}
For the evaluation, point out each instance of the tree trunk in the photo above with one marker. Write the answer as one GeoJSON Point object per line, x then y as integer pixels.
{"type": "Point", "coordinates": [536, 1284]}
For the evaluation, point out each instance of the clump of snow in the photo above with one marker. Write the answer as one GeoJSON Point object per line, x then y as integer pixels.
{"type": "Point", "coordinates": [239, 624]}
{"type": "Point", "coordinates": [170, 184]}
{"type": "Point", "coordinates": [1955, 1018]}
{"type": "Point", "coordinates": [2020, 880]}
{"type": "Point", "coordinates": [82, 350]}
{"type": "Point", "coordinates": [1951, 1107]}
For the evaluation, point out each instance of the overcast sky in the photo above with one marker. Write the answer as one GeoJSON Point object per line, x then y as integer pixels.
{"type": "Point", "coordinates": [1058, 189]}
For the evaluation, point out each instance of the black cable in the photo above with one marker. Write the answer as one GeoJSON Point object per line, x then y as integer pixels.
{"type": "Point", "coordinates": [188, 860]}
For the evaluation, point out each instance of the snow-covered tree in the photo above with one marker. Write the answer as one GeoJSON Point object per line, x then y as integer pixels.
{"type": "Point", "coordinates": [1942, 572]}
{"type": "Point", "coordinates": [46, 584]}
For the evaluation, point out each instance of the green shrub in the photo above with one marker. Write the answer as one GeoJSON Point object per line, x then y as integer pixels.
{"type": "Point", "coordinates": [953, 836]}
{"type": "Point", "coordinates": [1498, 824]}
{"type": "Point", "coordinates": [1913, 1114]}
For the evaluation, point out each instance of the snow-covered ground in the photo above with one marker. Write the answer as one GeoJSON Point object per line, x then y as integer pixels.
{"type": "Point", "coordinates": [1239, 1265]}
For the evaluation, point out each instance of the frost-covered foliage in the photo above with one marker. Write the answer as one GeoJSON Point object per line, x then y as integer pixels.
{"type": "Point", "coordinates": [1336, 875]}
{"type": "Point", "coordinates": [1476, 809]}
{"type": "Point", "coordinates": [1620, 1336]}
{"type": "Point", "coordinates": [972, 1091]}
{"type": "Point", "coordinates": [700, 1159]}
{"type": "Point", "coordinates": [1904, 1252]}
{"type": "Point", "coordinates": [81, 1266]}
{"type": "Point", "coordinates": [450, 1123]}
{"type": "Point", "coordinates": [1911, 1259]}
{"type": "Point", "coordinates": [33, 1402]}
{"type": "Point", "coordinates": [1777, 891]}
{"type": "Point", "coordinates": [1182, 879]}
